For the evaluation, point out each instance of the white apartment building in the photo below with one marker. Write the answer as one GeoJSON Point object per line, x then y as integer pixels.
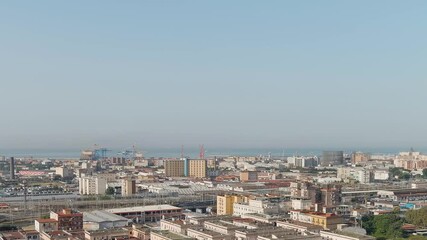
{"type": "Point", "coordinates": [365, 176]}
{"type": "Point", "coordinates": [301, 204]}
{"type": "Point", "coordinates": [92, 185]}
{"type": "Point", "coordinates": [303, 162]}
{"type": "Point", "coordinates": [63, 172]}
{"type": "Point", "coordinates": [255, 206]}
{"type": "Point", "coordinates": [381, 174]}
{"type": "Point", "coordinates": [354, 173]}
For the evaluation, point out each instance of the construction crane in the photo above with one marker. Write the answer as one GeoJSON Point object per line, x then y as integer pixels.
{"type": "Point", "coordinates": [202, 152]}
{"type": "Point", "coordinates": [99, 153]}
{"type": "Point", "coordinates": [130, 153]}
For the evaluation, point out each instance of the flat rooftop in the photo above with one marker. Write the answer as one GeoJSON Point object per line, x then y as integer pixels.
{"type": "Point", "coordinates": [46, 220]}
{"type": "Point", "coordinates": [171, 235]}
{"type": "Point", "coordinates": [102, 216]}
{"type": "Point", "coordinates": [203, 230]}
{"type": "Point", "coordinates": [143, 208]}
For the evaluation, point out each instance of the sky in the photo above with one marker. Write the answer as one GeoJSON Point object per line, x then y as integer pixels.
{"type": "Point", "coordinates": [236, 74]}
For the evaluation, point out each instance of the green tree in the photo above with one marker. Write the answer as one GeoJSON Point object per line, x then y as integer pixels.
{"type": "Point", "coordinates": [395, 171]}
{"type": "Point", "coordinates": [417, 237]}
{"type": "Point", "coordinates": [57, 178]}
{"type": "Point", "coordinates": [417, 217]}
{"type": "Point", "coordinates": [405, 176]}
{"type": "Point", "coordinates": [109, 191]}
{"type": "Point", "coordinates": [388, 226]}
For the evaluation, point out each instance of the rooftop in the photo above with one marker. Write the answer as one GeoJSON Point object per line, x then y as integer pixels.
{"type": "Point", "coordinates": [143, 208]}
{"type": "Point", "coordinates": [206, 231]}
{"type": "Point", "coordinates": [171, 235]}
{"type": "Point", "coordinates": [102, 216]}
{"type": "Point", "coordinates": [46, 220]}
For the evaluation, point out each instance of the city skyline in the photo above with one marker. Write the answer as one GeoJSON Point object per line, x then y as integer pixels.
{"type": "Point", "coordinates": [246, 74]}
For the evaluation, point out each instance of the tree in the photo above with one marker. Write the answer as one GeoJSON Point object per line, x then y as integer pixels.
{"type": "Point", "coordinates": [395, 171]}
{"type": "Point", "coordinates": [57, 178]}
{"type": "Point", "coordinates": [417, 237]}
{"type": "Point", "coordinates": [396, 209]}
{"type": "Point", "coordinates": [417, 217]}
{"type": "Point", "coordinates": [388, 226]}
{"type": "Point", "coordinates": [405, 176]}
{"type": "Point", "coordinates": [109, 191]}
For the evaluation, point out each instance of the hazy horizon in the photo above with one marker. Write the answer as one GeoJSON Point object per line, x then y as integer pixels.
{"type": "Point", "coordinates": [242, 74]}
{"type": "Point", "coordinates": [194, 152]}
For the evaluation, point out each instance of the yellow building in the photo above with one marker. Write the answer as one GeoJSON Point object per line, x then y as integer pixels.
{"type": "Point", "coordinates": [224, 204]}
{"type": "Point", "coordinates": [327, 221]}
{"type": "Point", "coordinates": [197, 168]}
{"type": "Point", "coordinates": [174, 168]}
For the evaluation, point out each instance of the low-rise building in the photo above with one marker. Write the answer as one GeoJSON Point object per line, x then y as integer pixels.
{"type": "Point", "coordinates": [175, 226]}
{"type": "Point", "coordinates": [98, 219]}
{"type": "Point", "coordinates": [68, 219]}
{"type": "Point", "coordinates": [198, 232]}
{"type": "Point", "coordinates": [224, 203]}
{"type": "Point", "coordinates": [256, 206]}
{"type": "Point", "coordinates": [298, 226]}
{"type": "Point", "coordinates": [152, 213]}
{"type": "Point", "coordinates": [20, 235]}
{"type": "Point", "coordinates": [328, 221]}
{"type": "Point", "coordinates": [221, 227]}
{"type": "Point", "coordinates": [166, 235]}
{"type": "Point", "coordinates": [107, 234]}
{"type": "Point", "coordinates": [344, 236]}
{"type": "Point", "coordinates": [45, 225]}
{"type": "Point", "coordinates": [404, 195]}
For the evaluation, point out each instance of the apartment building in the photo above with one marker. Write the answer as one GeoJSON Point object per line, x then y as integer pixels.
{"type": "Point", "coordinates": [68, 219]}
{"type": "Point", "coordinates": [359, 157]}
{"type": "Point", "coordinates": [174, 168]}
{"type": "Point", "coordinates": [256, 206]}
{"type": "Point", "coordinates": [411, 160]}
{"type": "Point", "coordinates": [306, 190]}
{"type": "Point", "coordinates": [248, 176]}
{"type": "Point", "coordinates": [225, 203]}
{"type": "Point", "coordinates": [128, 187]}
{"type": "Point", "coordinates": [92, 185]}
{"type": "Point", "coordinates": [331, 195]}
{"type": "Point", "coordinates": [45, 225]}
{"type": "Point", "coordinates": [197, 168]}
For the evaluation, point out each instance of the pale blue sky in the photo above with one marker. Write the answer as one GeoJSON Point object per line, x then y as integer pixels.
{"type": "Point", "coordinates": [224, 73]}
